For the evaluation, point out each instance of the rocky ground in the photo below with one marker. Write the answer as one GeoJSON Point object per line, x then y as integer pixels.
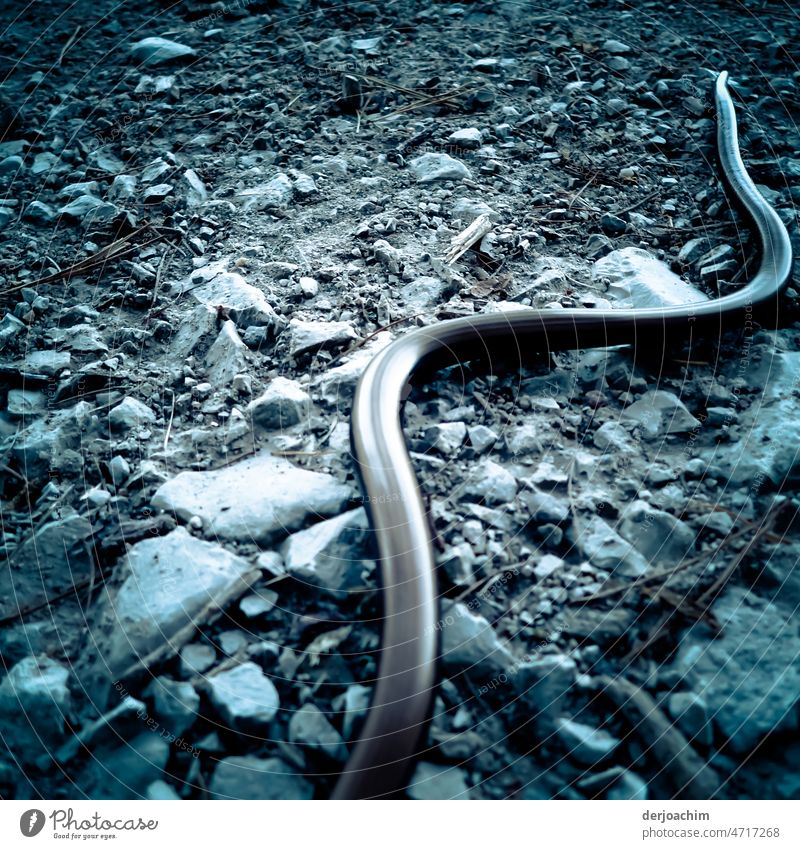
{"type": "Point", "coordinates": [211, 216]}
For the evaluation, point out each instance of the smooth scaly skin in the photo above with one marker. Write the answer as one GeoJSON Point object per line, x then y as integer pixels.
{"type": "Point", "coordinates": [398, 718]}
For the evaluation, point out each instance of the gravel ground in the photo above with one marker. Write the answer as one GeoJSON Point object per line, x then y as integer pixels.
{"type": "Point", "coordinates": [211, 216]}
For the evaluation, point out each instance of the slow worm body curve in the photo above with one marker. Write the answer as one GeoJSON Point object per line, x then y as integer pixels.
{"type": "Point", "coordinates": [398, 717]}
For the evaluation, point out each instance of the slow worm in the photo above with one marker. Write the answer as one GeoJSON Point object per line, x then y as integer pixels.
{"type": "Point", "coordinates": [384, 754]}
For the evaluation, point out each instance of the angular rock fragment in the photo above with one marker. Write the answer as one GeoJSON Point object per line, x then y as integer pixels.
{"type": "Point", "coordinates": [171, 584]}
{"type": "Point", "coordinates": [606, 549]}
{"type": "Point", "coordinates": [194, 190]}
{"type": "Point", "coordinates": [469, 138]}
{"type": "Point", "coordinates": [244, 697]}
{"type": "Point", "coordinates": [82, 338]}
{"type": "Point", "coordinates": [543, 684]}
{"type": "Point", "coordinates": [89, 210]}
{"type": "Point", "coordinates": [244, 303]}
{"type": "Point", "coordinates": [276, 194]}
{"type": "Point", "coordinates": [175, 704]}
{"type": "Point", "coordinates": [197, 658]}
{"type": "Point", "coordinates": [612, 436]}
{"type": "Point", "coordinates": [457, 562]}
{"type": "Point", "coordinates": [47, 362]}
{"type": "Point", "coordinates": [283, 404]}
{"type": "Point", "coordinates": [659, 536]}
{"type": "Point", "coordinates": [338, 384]}
{"type": "Point", "coordinates": [155, 86]}
{"type": "Point", "coordinates": [331, 555]}
{"type": "Point", "coordinates": [122, 188]}
{"type": "Point", "coordinates": [35, 703]}
{"type": "Point", "coordinates": [388, 256]}
{"type": "Point", "coordinates": [355, 705]}
{"type": "Point", "coordinates": [468, 210]}
{"type": "Point", "coordinates": [435, 781]}
{"type": "Point", "coordinates": [659, 413]}
{"type": "Point", "coordinates": [447, 438]}
{"type": "Point", "coordinates": [199, 325]}
{"type": "Point", "coordinates": [481, 438]}
{"type": "Point", "coordinates": [310, 728]}
{"type": "Point", "coordinates": [130, 413]}
{"type": "Point", "coordinates": [227, 357]}
{"type": "Point", "coordinates": [107, 163]}
{"type": "Point", "coordinates": [693, 250]}
{"type": "Point", "coordinates": [585, 744]}
{"type": "Point", "coordinates": [491, 483]}
{"type": "Point", "coordinates": [470, 644]}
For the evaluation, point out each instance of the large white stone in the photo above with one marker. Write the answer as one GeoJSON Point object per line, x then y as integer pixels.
{"type": "Point", "coordinates": [311, 336]}
{"type": "Point", "coordinates": [159, 51]}
{"type": "Point", "coordinates": [213, 286]}
{"type": "Point", "coordinates": [638, 279]}
{"type": "Point", "coordinates": [438, 166]}
{"type": "Point", "coordinates": [260, 499]}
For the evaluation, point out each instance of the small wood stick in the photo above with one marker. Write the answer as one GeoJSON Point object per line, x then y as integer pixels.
{"type": "Point", "coordinates": [464, 240]}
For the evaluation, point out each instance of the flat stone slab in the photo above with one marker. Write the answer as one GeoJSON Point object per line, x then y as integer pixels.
{"type": "Point", "coordinates": [260, 499]}
{"type": "Point", "coordinates": [158, 51]}
{"type": "Point", "coordinates": [249, 777]}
